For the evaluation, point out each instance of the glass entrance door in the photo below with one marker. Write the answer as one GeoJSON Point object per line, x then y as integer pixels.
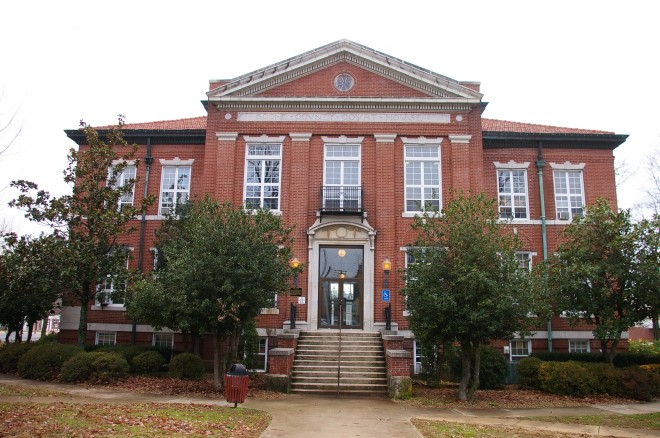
{"type": "Point", "coordinates": [341, 281]}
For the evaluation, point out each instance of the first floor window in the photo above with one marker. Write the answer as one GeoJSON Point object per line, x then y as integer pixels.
{"type": "Point", "coordinates": [419, 357]}
{"type": "Point", "coordinates": [163, 340]}
{"type": "Point", "coordinates": [519, 349]}
{"type": "Point", "coordinates": [512, 194]}
{"type": "Point", "coordinates": [106, 338]}
{"type": "Point", "coordinates": [262, 176]}
{"type": "Point", "coordinates": [174, 188]}
{"type": "Point", "coordinates": [578, 346]}
{"type": "Point", "coordinates": [569, 194]}
{"type": "Point", "coordinates": [422, 177]}
{"type": "Point", "coordinates": [524, 260]}
{"type": "Point", "coordinates": [261, 356]}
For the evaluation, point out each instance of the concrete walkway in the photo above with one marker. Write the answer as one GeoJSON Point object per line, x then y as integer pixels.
{"type": "Point", "coordinates": [332, 416]}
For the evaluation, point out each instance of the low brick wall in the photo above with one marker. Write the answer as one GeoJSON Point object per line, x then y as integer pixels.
{"type": "Point", "coordinates": [399, 367]}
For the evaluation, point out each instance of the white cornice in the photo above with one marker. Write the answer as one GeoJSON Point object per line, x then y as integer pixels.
{"type": "Point", "coordinates": [511, 165]}
{"type": "Point", "coordinates": [176, 162]}
{"type": "Point", "coordinates": [459, 139]}
{"type": "Point", "coordinates": [342, 139]}
{"type": "Point", "coordinates": [226, 136]}
{"type": "Point", "coordinates": [264, 139]}
{"type": "Point", "coordinates": [567, 166]}
{"type": "Point", "coordinates": [300, 136]}
{"type": "Point", "coordinates": [422, 140]}
{"type": "Point", "coordinates": [385, 138]}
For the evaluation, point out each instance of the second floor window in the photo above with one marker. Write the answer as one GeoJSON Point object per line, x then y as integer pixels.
{"type": "Point", "coordinates": [174, 188]}
{"type": "Point", "coordinates": [569, 194]}
{"type": "Point", "coordinates": [512, 193]}
{"type": "Point", "coordinates": [422, 177]}
{"type": "Point", "coordinates": [262, 176]}
{"type": "Point", "coordinates": [342, 177]}
{"type": "Point", "coordinates": [125, 179]}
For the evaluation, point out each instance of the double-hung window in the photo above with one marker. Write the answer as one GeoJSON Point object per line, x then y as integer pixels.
{"type": "Point", "coordinates": [569, 191]}
{"type": "Point", "coordinates": [126, 181]}
{"type": "Point", "coordinates": [106, 338]}
{"type": "Point", "coordinates": [163, 340]}
{"type": "Point", "coordinates": [262, 176]}
{"type": "Point", "coordinates": [512, 193]}
{"type": "Point", "coordinates": [422, 176]}
{"type": "Point", "coordinates": [519, 349]}
{"type": "Point", "coordinates": [174, 188]}
{"type": "Point", "coordinates": [341, 180]}
{"type": "Point", "coordinates": [578, 346]}
{"type": "Point", "coordinates": [111, 290]}
{"type": "Point", "coordinates": [524, 259]}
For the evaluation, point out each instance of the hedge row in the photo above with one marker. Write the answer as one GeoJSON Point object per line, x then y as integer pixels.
{"type": "Point", "coordinates": [51, 361]}
{"type": "Point", "coordinates": [621, 360]}
{"type": "Point", "coordinates": [584, 378]}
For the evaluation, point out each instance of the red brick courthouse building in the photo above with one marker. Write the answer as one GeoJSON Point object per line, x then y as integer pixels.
{"type": "Point", "coordinates": [347, 143]}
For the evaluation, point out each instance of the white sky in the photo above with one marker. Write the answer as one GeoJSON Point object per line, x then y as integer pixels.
{"type": "Point", "coordinates": [575, 63]}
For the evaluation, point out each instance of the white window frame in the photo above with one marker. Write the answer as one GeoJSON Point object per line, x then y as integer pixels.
{"type": "Point", "coordinates": [572, 345]}
{"type": "Point", "coordinates": [418, 357]}
{"type": "Point", "coordinates": [564, 172]}
{"type": "Point", "coordinates": [104, 336]}
{"type": "Point", "coordinates": [108, 292]}
{"type": "Point", "coordinates": [122, 179]}
{"type": "Point", "coordinates": [422, 142]}
{"type": "Point", "coordinates": [263, 354]}
{"type": "Point", "coordinates": [515, 357]}
{"type": "Point", "coordinates": [263, 158]}
{"type": "Point", "coordinates": [522, 255]}
{"type": "Point", "coordinates": [331, 142]}
{"type": "Point", "coordinates": [178, 165]}
{"type": "Point", "coordinates": [155, 342]}
{"type": "Point", "coordinates": [512, 194]}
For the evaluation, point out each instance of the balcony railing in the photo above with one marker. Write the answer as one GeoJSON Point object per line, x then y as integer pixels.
{"type": "Point", "coordinates": [342, 200]}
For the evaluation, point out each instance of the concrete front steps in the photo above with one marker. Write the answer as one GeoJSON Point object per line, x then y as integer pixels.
{"type": "Point", "coordinates": [361, 366]}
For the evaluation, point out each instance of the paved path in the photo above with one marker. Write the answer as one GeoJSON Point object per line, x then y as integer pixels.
{"type": "Point", "coordinates": [331, 416]}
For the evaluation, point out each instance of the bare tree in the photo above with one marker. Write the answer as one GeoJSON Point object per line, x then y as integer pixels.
{"type": "Point", "coordinates": [653, 190]}
{"type": "Point", "coordinates": [8, 132]}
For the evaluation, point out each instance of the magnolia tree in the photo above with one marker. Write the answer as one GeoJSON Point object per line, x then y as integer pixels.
{"type": "Point", "coordinates": [465, 285]}
{"type": "Point", "coordinates": [92, 219]}
{"type": "Point", "coordinates": [596, 275]}
{"type": "Point", "coordinates": [219, 265]}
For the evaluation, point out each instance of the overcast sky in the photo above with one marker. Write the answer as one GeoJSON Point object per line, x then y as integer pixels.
{"type": "Point", "coordinates": [575, 63]}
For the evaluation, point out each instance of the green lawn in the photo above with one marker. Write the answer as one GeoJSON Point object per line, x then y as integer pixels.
{"type": "Point", "coordinates": [641, 421]}
{"type": "Point", "coordinates": [443, 429]}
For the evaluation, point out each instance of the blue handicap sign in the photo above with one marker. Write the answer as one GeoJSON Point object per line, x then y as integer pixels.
{"type": "Point", "coordinates": [386, 294]}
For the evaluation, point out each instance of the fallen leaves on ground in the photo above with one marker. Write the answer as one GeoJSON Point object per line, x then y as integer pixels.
{"type": "Point", "coordinates": [153, 419]}
{"type": "Point", "coordinates": [190, 388]}
{"type": "Point", "coordinates": [446, 396]}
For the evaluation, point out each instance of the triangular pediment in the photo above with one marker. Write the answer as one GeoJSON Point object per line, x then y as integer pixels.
{"type": "Point", "coordinates": [312, 75]}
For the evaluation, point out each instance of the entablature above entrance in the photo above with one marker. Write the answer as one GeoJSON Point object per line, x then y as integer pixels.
{"type": "Point", "coordinates": [341, 230]}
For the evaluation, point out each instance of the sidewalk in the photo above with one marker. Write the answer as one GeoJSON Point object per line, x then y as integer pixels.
{"type": "Point", "coordinates": [332, 416]}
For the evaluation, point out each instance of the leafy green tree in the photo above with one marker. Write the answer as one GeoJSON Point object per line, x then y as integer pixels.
{"type": "Point", "coordinates": [465, 285]}
{"type": "Point", "coordinates": [219, 266]}
{"type": "Point", "coordinates": [647, 240]}
{"type": "Point", "coordinates": [92, 218]}
{"type": "Point", "coordinates": [30, 282]}
{"type": "Point", "coordinates": [595, 276]}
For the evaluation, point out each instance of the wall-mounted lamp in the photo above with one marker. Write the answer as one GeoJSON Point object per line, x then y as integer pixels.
{"type": "Point", "coordinates": [387, 266]}
{"type": "Point", "coordinates": [341, 252]}
{"type": "Point", "coordinates": [295, 264]}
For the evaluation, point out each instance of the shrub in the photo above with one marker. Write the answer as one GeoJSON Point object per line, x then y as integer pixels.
{"type": "Point", "coordinates": [97, 366]}
{"type": "Point", "coordinates": [606, 379]}
{"type": "Point", "coordinates": [11, 353]}
{"type": "Point", "coordinates": [187, 366]}
{"type": "Point", "coordinates": [109, 366]}
{"type": "Point", "coordinates": [637, 383]}
{"type": "Point", "coordinates": [558, 356]}
{"type": "Point", "coordinates": [644, 347]}
{"type": "Point", "coordinates": [127, 351]}
{"type": "Point", "coordinates": [566, 378]}
{"type": "Point", "coordinates": [527, 373]}
{"type": "Point", "coordinates": [148, 362]}
{"type": "Point", "coordinates": [623, 360]}
{"type": "Point", "coordinates": [492, 370]}
{"type": "Point", "coordinates": [49, 338]}
{"type": "Point", "coordinates": [654, 371]}
{"type": "Point", "coordinates": [77, 368]}
{"type": "Point", "coordinates": [44, 361]}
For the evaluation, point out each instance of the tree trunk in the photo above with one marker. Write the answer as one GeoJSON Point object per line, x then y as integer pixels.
{"type": "Point", "coordinates": [82, 323]}
{"type": "Point", "coordinates": [44, 326]}
{"type": "Point", "coordinates": [217, 375]}
{"type": "Point", "coordinates": [466, 356]}
{"type": "Point", "coordinates": [656, 328]}
{"type": "Point", "coordinates": [476, 354]}
{"type": "Point", "coordinates": [30, 328]}
{"type": "Point", "coordinates": [609, 351]}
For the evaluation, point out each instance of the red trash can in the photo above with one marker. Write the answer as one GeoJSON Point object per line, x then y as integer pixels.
{"type": "Point", "coordinates": [236, 384]}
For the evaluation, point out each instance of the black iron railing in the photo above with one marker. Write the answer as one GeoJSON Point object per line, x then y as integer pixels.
{"type": "Point", "coordinates": [342, 199]}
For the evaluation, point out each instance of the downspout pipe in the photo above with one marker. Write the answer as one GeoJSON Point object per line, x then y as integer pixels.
{"type": "Point", "coordinates": [540, 164]}
{"type": "Point", "coordinates": [148, 160]}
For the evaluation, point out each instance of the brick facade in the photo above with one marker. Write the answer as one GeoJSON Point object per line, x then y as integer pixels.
{"type": "Point", "coordinates": [297, 105]}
